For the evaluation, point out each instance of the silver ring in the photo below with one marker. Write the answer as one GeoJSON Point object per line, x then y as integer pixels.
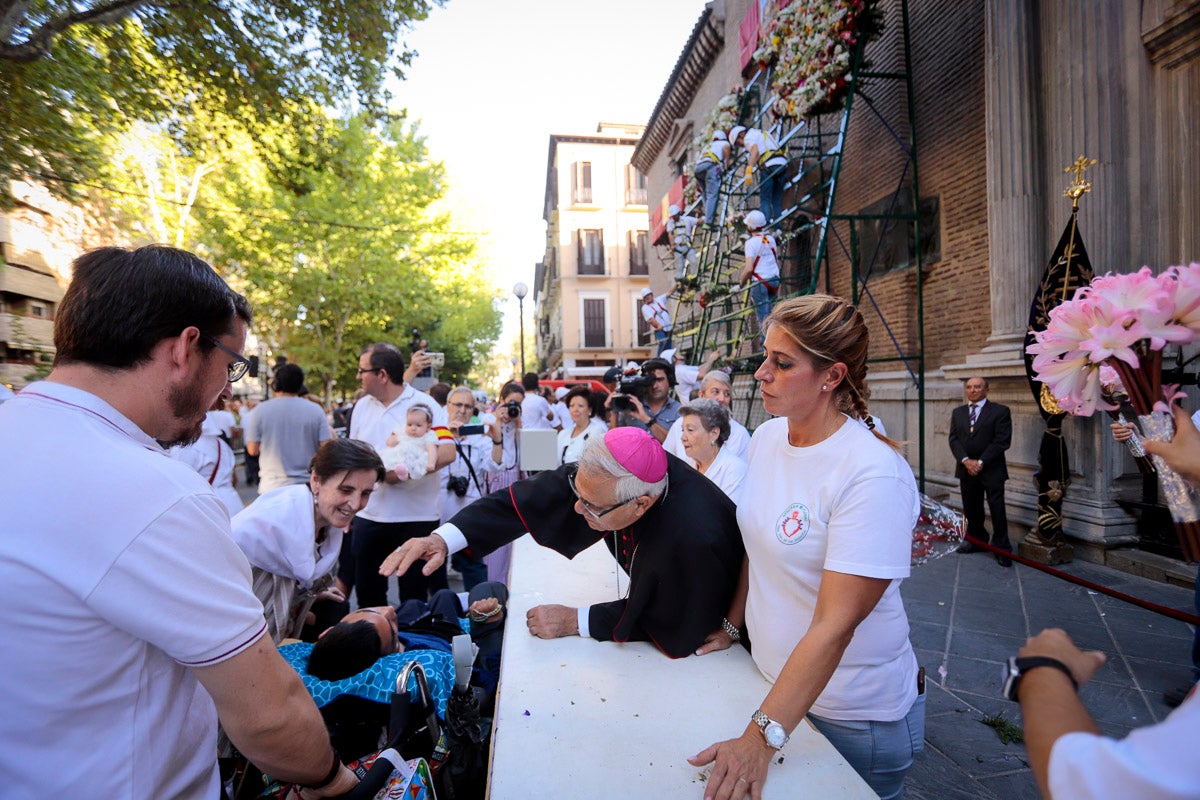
{"type": "Point", "coordinates": [739, 780]}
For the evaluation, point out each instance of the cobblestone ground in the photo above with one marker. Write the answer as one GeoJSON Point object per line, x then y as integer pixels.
{"type": "Point", "coordinates": [968, 615]}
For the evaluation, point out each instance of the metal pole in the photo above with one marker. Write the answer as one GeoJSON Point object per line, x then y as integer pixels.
{"type": "Point", "coordinates": [521, 307]}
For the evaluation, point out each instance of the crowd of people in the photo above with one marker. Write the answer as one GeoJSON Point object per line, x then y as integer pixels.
{"type": "Point", "coordinates": [792, 542]}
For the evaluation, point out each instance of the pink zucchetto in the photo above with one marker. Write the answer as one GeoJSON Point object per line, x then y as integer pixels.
{"type": "Point", "coordinates": [639, 452]}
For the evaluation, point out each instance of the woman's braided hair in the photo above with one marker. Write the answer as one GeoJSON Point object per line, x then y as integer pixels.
{"type": "Point", "coordinates": [831, 330]}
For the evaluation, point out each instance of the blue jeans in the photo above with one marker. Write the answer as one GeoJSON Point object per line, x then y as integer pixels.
{"type": "Point", "coordinates": [1196, 635]}
{"type": "Point", "coordinates": [664, 341]}
{"type": "Point", "coordinates": [709, 176]}
{"type": "Point", "coordinates": [762, 298]}
{"type": "Point", "coordinates": [881, 752]}
{"type": "Point", "coordinates": [770, 190]}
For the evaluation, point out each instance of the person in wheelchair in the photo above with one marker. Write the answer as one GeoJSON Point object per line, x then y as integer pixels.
{"type": "Point", "coordinates": [368, 634]}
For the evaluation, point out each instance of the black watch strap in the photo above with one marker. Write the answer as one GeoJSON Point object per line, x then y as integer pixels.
{"type": "Point", "coordinates": [1017, 667]}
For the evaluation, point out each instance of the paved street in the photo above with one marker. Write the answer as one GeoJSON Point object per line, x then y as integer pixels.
{"type": "Point", "coordinates": [968, 615]}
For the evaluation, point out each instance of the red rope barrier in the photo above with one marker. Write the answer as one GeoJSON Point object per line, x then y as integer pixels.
{"type": "Point", "coordinates": [1182, 616]}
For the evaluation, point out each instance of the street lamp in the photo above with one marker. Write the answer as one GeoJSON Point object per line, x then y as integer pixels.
{"type": "Point", "coordinates": [520, 290]}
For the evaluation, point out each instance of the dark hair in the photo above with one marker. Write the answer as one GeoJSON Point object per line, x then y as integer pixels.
{"type": "Point", "coordinates": [288, 378]}
{"type": "Point", "coordinates": [345, 455]}
{"type": "Point", "coordinates": [439, 392]}
{"type": "Point", "coordinates": [346, 649]}
{"type": "Point", "coordinates": [121, 303]}
{"type": "Point", "coordinates": [511, 387]}
{"type": "Point", "coordinates": [530, 381]}
{"type": "Point", "coordinates": [388, 358]}
{"type": "Point", "coordinates": [586, 394]}
{"type": "Point", "coordinates": [651, 364]}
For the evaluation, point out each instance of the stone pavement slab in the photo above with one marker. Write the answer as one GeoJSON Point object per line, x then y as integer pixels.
{"type": "Point", "coordinates": [968, 614]}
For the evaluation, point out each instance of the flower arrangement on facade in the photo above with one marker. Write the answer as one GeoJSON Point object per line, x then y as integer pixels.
{"type": "Point", "coordinates": [1109, 339]}
{"type": "Point", "coordinates": [810, 45]}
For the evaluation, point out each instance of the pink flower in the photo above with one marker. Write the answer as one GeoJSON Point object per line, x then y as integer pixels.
{"type": "Point", "coordinates": [1187, 296]}
{"type": "Point", "coordinates": [1110, 380]}
{"type": "Point", "coordinates": [1112, 339]}
{"type": "Point", "coordinates": [1074, 381]}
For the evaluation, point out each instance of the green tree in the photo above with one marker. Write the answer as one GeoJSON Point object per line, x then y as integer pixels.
{"type": "Point", "coordinates": [344, 251]}
{"type": "Point", "coordinates": [74, 73]}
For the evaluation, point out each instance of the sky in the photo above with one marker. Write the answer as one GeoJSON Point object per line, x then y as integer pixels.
{"type": "Point", "coordinates": [492, 81]}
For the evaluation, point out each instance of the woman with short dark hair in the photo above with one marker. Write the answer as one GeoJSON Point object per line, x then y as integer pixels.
{"type": "Point", "coordinates": [291, 535]}
{"type": "Point", "coordinates": [585, 425]}
{"type": "Point", "coordinates": [704, 429]}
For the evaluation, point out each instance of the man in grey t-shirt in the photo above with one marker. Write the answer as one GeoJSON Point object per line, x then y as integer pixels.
{"type": "Point", "coordinates": [285, 432]}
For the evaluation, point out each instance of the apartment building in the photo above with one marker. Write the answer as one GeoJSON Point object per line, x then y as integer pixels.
{"type": "Point", "coordinates": [34, 258]}
{"type": "Point", "coordinates": [587, 287]}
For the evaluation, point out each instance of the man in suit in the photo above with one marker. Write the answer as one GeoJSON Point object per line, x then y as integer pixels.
{"type": "Point", "coordinates": [980, 432]}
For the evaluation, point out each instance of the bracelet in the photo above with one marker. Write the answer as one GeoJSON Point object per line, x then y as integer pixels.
{"type": "Point", "coordinates": [334, 769]}
{"type": "Point", "coordinates": [484, 616]}
{"type": "Point", "coordinates": [729, 628]}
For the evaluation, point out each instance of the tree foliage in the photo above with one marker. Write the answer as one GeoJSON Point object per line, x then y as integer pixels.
{"type": "Point", "coordinates": [74, 73]}
{"type": "Point", "coordinates": [345, 252]}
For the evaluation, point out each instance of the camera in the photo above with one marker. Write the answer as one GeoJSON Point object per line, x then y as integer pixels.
{"type": "Point", "coordinates": [458, 484]}
{"type": "Point", "coordinates": [437, 360]}
{"type": "Point", "coordinates": [637, 386]}
{"type": "Point", "coordinates": [513, 409]}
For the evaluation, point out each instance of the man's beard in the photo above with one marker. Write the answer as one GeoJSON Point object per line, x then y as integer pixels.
{"type": "Point", "coordinates": [187, 402]}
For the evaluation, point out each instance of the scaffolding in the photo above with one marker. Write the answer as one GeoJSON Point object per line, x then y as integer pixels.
{"type": "Point", "coordinates": [712, 312]}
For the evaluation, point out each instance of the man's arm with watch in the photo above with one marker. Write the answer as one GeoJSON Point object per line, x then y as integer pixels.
{"type": "Point", "coordinates": [1048, 669]}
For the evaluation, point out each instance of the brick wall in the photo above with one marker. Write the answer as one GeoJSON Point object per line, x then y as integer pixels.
{"type": "Point", "coordinates": [947, 39]}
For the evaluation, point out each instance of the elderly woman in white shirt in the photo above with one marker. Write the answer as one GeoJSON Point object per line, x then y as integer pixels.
{"type": "Point", "coordinates": [584, 425]}
{"type": "Point", "coordinates": [715, 386]}
{"type": "Point", "coordinates": [704, 431]}
{"type": "Point", "coordinates": [292, 534]}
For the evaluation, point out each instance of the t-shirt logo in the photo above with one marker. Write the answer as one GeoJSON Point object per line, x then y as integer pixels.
{"type": "Point", "coordinates": [793, 524]}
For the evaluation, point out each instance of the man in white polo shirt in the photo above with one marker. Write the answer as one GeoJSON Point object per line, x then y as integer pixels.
{"type": "Point", "coordinates": [398, 510]}
{"type": "Point", "coordinates": [129, 622]}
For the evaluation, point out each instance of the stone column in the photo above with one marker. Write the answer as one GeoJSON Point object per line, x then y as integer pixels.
{"type": "Point", "coordinates": [1016, 227]}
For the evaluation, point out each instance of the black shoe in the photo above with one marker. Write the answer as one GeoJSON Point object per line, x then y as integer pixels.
{"type": "Point", "coordinates": [1003, 560]}
{"type": "Point", "coordinates": [1174, 697]}
{"type": "Point", "coordinates": [967, 547]}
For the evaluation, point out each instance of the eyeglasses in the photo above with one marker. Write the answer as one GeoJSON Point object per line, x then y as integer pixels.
{"type": "Point", "coordinates": [595, 511]}
{"type": "Point", "coordinates": [463, 406]}
{"type": "Point", "coordinates": [240, 366]}
{"type": "Point", "coordinates": [361, 371]}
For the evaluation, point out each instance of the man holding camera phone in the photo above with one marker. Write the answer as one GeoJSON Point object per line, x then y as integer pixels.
{"type": "Point", "coordinates": [398, 510]}
{"type": "Point", "coordinates": [478, 452]}
{"type": "Point", "coordinates": [645, 401]}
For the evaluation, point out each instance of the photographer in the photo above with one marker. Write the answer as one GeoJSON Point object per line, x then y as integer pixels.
{"type": "Point", "coordinates": [645, 401]}
{"type": "Point", "coordinates": [476, 448]}
{"type": "Point", "coordinates": [509, 421]}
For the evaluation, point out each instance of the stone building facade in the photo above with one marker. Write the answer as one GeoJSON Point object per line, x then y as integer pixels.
{"type": "Point", "coordinates": [1007, 93]}
{"type": "Point", "coordinates": [588, 285]}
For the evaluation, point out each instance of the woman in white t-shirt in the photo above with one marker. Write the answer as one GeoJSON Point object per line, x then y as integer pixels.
{"type": "Point", "coordinates": [704, 431]}
{"type": "Point", "coordinates": [827, 513]}
{"type": "Point", "coordinates": [292, 535]}
{"type": "Point", "coordinates": [583, 426]}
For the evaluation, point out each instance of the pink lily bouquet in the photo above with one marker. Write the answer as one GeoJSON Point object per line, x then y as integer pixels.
{"type": "Point", "coordinates": [1121, 324]}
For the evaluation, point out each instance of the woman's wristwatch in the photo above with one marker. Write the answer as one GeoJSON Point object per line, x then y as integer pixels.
{"type": "Point", "coordinates": [772, 731]}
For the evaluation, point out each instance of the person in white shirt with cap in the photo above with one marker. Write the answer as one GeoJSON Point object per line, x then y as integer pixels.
{"type": "Point", "coordinates": [654, 311]}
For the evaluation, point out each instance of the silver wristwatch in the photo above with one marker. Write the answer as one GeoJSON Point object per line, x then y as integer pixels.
{"type": "Point", "coordinates": [772, 731]}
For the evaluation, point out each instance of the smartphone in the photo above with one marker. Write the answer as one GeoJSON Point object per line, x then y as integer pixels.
{"type": "Point", "coordinates": [437, 360]}
{"type": "Point", "coordinates": [470, 430]}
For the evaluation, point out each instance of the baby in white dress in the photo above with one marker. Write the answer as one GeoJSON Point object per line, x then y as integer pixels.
{"type": "Point", "coordinates": [412, 453]}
